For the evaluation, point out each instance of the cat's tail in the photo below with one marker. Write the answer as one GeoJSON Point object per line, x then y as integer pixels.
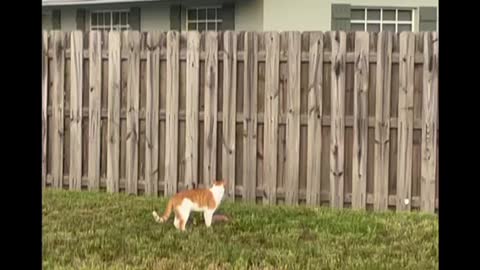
{"type": "Point", "coordinates": [166, 215]}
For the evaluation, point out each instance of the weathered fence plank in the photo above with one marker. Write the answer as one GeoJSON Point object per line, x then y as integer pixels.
{"type": "Point", "coordinates": [382, 123]}
{"type": "Point", "coordinates": [44, 106]}
{"type": "Point", "coordinates": [76, 103]}
{"type": "Point", "coordinates": [315, 115]}
{"type": "Point", "coordinates": [405, 121]}
{"type": "Point", "coordinates": [133, 106]}
{"type": "Point", "coordinates": [192, 109]}
{"type": "Point", "coordinates": [360, 123]}
{"type": "Point", "coordinates": [272, 45]}
{"type": "Point", "coordinates": [293, 119]}
{"type": "Point", "coordinates": [229, 110]}
{"type": "Point", "coordinates": [58, 69]}
{"type": "Point", "coordinates": [152, 113]}
{"type": "Point", "coordinates": [94, 109]}
{"type": "Point", "coordinates": [171, 133]}
{"type": "Point", "coordinates": [113, 126]}
{"type": "Point", "coordinates": [211, 98]}
{"type": "Point", "coordinates": [429, 122]}
{"type": "Point", "coordinates": [250, 116]}
{"type": "Point", "coordinates": [337, 135]}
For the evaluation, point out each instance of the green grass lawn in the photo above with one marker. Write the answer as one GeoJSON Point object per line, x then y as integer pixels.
{"type": "Point", "coordinates": [83, 230]}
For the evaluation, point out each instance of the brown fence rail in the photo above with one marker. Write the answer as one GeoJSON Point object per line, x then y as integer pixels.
{"type": "Point", "coordinates": [344, 119]}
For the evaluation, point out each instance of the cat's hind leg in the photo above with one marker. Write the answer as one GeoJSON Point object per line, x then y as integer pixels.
{"type": "Point", "coordinates": [184, 213]}
{"type": "Point", "coordinates": [176, 222]}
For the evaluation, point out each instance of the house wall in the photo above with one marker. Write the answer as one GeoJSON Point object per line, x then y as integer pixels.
{"type": "Point", "coordinates": [249, 15]}
{"type": "Point", "coordinates": [309, 15]}
{"type": "Point", "coordinates": [156, 16]}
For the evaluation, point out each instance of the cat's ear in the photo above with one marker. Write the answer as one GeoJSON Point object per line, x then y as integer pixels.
{"type": "Point", "coordinates": [220, 183]}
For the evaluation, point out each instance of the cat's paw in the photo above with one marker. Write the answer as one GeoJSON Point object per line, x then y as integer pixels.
{"type": "Point", "coordinates": [156, 217]}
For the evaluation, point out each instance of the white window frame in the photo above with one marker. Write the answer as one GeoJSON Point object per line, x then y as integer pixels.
{"type": "Point", "coordinates": [112, 27]}
{"type": "Point", "coordinates": [381, 22]}
{"type": "Point", "coordinates": [206, 21]}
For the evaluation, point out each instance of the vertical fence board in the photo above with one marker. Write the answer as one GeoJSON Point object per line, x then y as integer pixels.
{"type": "Point", "coordinates": [211, 97]}
{"type": "Point", "coordinates": [76, 104]}
{"type": "Point", "coordinates": [405, 121]}
{"type": "Point", "coordinates": [44, 106]}
{"type": "Point", "coordinates": [293, 119]}
{"type": "Point", "coordinates": [133, 106]}
{"type": "Point", "coordinates": [249, 116]}
{"type": "Point", "coordinates": [337, 136]}
{"type": "Point", "coordinates": [429, 121]}
{"type": "Point", "coordinates": [58, 64]}
{"type": "Point", "coordinates": [192, 109]}
{"type": "Point", "coordinates": [229, 110]}
{"type": "Point", "coordinates": [272, 63]}
{"type": "Point", "coordinates": [152, 113]}
{"type": "Point", "coordinates": [113, 127]}
{"type": "Point", "coordinates": [171, 133]}
{"type": "Point", "coordinates": [315, 117]}
{"type": "Point", "coordinates": [94, 109]}
{"type": "Point", "coordinates": [360, 122]}
{"type": "Point", "coordinates": [382, 120]}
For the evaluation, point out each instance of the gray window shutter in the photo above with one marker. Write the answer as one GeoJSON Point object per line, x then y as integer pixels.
{"type": "Point", "coordinates": [228, 11]}
{"type": "Point", "coordinates": [81, 19]}
{"type": "Point", "coordinates": [175, 17]}
{"type": "Point", "coordinates": [134, 18]}
{"type": "Point", "coordinates": [428, 19]}
{"type": "Point", "coordinates": [56, 24]}
{"type": "Point", "coordinates": [340, 17]}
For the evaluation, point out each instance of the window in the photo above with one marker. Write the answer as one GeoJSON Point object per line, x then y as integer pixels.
{"type": "Point", "coordinates": [47, 20]}
{"type": "Point", "coordinates": [381, 19]}
{"type": "Point", "coordinates": [107, 20]}
{"type": "Point", "coordinates": [205, 18]}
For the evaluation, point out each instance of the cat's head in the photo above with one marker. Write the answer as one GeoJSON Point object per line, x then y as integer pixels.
{"type": "Point", "coordinates": [219, 185]}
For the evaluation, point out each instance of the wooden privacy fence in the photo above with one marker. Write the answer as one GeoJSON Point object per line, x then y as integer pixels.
{"type": "Point", "coordinates": [344, 119]}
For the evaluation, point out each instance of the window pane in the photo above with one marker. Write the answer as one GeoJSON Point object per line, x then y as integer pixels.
{"type": "Point", "coordinates": [100, 18]}
{"type": "Point", "coordinates": [211, 14]}
{"type": "Point", "coordinates": [373, 14]}
{"type": "Point", "coordinates": [211, 26]}
{"type": "Point", "coordinates": [123, 19]}
{"type": "Point", "coordinates": [202, 14]}
{"type": "Point", "coordinates": [107, 18]}
{"type": "Point", "coordinates": [357, 27]}
{"type": "Point", "coordinates": [192, 14]}
{"type": "Point", "coordinates": [219, 13]}
{"type": "Point", "coordinates": [389, 15]}
{"type": "Point", "coordinates": [201, 26]}
{"type": "Point", "coordinates": [192, 26]}
{"type": "Point", "coordinates": [404, 15]}
{"type": "Point", "coordinates": [116, 18]}
{"type": "Point", "coordinates": [219, 27]}
{"type": "Point", "coordinates": [358, 14]}
{"type": "Point", "coordinates": [389, 27]}
{"type": "Point", "coordinates": [404, 28]}
{"type": "Point", "coordinates": [373, 27]}
{"type": "Point", "coordinates": [94, 18]}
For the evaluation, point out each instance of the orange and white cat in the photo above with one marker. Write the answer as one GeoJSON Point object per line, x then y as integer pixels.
{"type": "Point", "coordinates": [198, 200]}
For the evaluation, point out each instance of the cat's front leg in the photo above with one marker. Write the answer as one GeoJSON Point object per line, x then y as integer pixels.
{"type": "Point", "coordinates": [208, 214]}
